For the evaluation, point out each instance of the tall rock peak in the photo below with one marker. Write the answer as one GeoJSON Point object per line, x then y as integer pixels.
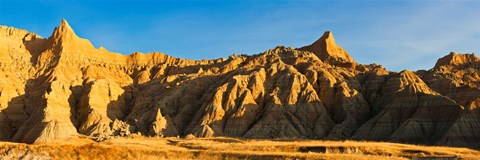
{"type": "Point", "coordinates": [327, 50]}
{"type": "Point", "coordinates": [64, 24]}
{"type": "Point", "coordinates": [328, 38]}
{"type": "Point", "coordinates": [64, 32]}
{"type": "Point", "coordinates": [64, 36]}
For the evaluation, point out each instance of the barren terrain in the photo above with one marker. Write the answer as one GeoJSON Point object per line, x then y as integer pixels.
{"type": "Point", "coordinates": [136, 147]}
{"type": "Point", "coordinates": [58, 93]}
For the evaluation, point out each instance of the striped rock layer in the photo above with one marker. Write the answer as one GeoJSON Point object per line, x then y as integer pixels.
{"type": "Point", "coordinates": [62, 86]}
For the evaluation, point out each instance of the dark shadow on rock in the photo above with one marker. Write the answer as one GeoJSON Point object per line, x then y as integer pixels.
{"type": "Point", "coordinates": [35, 46]}
{"type": "Point", "coordinates": [13, 117]}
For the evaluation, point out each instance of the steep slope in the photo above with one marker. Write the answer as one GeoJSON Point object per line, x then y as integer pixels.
{"type": "Point", "coordinates": [327, 50]}
{"type": "Point", "coordinates": [62, 87]}
{"type": "Point", "coordinates": [466, 130]}
{"type": "Point", "coordinates": [413, 112]}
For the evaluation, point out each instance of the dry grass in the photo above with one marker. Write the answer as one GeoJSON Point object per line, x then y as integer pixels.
{"type": "Point", "coordinates": [225, 148]}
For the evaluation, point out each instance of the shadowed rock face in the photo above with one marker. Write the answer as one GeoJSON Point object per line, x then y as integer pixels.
{"type": "Point", "coordinates": [62, 86]}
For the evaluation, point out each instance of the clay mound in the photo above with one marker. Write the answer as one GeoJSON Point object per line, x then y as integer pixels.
{"type": "Point", "coordinates": [61, 87]}
{"type": "Point", "coordinates": [466, 130]}
{"type": "Point", "coordinates": [413, 113]}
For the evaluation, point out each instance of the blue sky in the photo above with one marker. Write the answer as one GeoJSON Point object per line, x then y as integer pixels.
{"type": "Point", "coordinates": [399, 34]}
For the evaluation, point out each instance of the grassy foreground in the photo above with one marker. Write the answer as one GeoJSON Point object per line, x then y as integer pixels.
{"type": "Point", "coordinates": [225, 148]}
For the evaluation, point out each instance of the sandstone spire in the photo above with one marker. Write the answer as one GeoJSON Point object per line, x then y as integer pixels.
{"type": "Point", "coordinates": [327, 50]}
{"type": "Point", "coordinates": [64, 32]}
{"type": "Point", "coordinates": [64, 36]}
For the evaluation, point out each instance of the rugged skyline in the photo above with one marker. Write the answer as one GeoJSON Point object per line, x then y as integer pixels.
{"type": "Point", "coordinates": [398, 34]}
{"type": "Point", "coordinates": [62, 86]}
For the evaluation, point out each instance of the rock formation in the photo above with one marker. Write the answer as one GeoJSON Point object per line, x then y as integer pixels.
{"type": "Point", "coordinates": [62, 86]}
{"type": "Point", "coordinates": [327, 50]}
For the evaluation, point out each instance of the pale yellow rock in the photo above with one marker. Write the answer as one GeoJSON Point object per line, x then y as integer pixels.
{"type": "Point", "coordinates": [52, 121]}
{"type": "Point", "coordinates": [62, 86]}
{"type": "Point", "coordinates": [162, 126]}
{"type": "Point", "coordinates": [100, 104]}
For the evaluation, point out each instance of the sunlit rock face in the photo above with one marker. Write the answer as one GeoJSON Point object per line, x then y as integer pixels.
{"type": "Point", "coordinates": [62, 86]}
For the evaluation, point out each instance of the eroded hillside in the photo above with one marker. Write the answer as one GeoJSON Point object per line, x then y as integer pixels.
{"type": "Point", "coordinates": [62, 86]}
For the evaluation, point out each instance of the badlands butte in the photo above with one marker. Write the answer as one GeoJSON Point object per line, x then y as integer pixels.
{"type": "Point", "coordinates": [62, 87]}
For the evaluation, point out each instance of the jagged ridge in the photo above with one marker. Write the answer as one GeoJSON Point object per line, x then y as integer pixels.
{"type": "Point", "coordinates": [62, 87]}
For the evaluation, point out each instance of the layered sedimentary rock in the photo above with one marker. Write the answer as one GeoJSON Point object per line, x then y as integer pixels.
{"type": "Point", "coordinates": [101, 103]}
{"type": "Point", "coordinates": [62, 86]}
{"type": "Point", "coordinates": [412, 112]}
{"type": "Point", "coordinates": [456, 76]}
{"type": "Point", "coordinates": [466, 130]}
